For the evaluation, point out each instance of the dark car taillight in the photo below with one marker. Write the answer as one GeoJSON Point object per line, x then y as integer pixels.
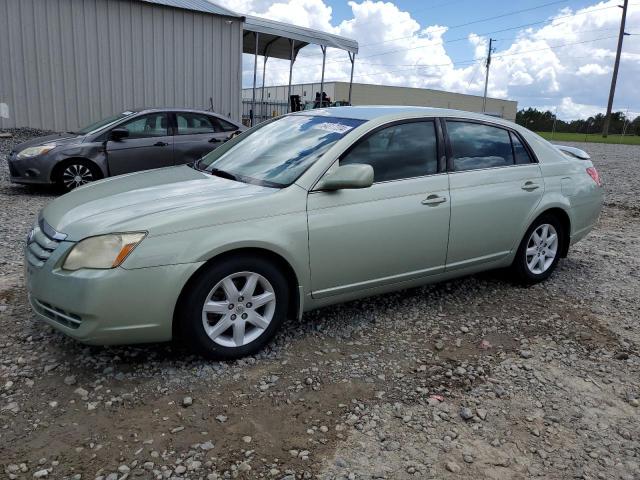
{"type": "Point", "coordinates": [593, 173]}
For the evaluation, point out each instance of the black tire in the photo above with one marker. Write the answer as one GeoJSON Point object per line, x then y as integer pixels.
{"type": "Point", "coordinates": [520, 267]}
{"type": "Point", "coordinates": [191, 330]}
{"type": "Point", "coordinates": [81, 166]}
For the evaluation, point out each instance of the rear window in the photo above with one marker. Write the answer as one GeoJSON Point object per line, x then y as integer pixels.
{"type": "Point", "coordinates": [475, 146]}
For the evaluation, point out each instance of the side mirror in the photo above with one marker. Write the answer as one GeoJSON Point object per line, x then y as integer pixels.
{"type": "Point", "coordinates": [118, 134]}
{"type": "Point", "coordinates": [357, 175]}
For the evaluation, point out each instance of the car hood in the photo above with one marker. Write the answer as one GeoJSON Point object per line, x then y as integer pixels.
{"type": "Point", "coordinates": [57, 138]}
{"type": "Point", "coordinates": [158, 201]}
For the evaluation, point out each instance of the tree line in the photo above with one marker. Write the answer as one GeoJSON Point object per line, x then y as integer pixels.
{"type": "Point", "coordinates": [540, 121]}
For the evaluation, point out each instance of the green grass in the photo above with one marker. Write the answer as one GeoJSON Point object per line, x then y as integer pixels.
{"type": "Point", "coordinates": [591, 138]}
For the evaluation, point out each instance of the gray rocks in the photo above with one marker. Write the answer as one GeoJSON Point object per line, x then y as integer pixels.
{"type": "Point", "coordinates": [466, 413]}
{"type": "Point", "coordinates": [453, 467]}
{"type": "Point", "coordinates": [547, 377]}
{"type": "Point", "coordinates": [208, 445]}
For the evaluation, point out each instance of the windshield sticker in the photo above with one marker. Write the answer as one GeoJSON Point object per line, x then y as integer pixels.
{"type": "Point", "coordinates": [333, 127]}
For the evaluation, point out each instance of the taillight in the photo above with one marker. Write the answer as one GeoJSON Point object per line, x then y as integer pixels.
{"type": "Point", "coordinates": [593, 173]}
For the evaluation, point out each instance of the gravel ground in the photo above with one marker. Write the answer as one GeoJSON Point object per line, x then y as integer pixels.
{"type": "Point", "coordinates": [474, 378]}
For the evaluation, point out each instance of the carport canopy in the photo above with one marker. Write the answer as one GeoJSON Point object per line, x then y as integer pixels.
{"type": "Point", "coordinates": [272, 39]}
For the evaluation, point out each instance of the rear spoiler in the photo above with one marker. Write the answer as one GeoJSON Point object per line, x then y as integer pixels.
{"type": "Point", "coordinates": [573, 152]}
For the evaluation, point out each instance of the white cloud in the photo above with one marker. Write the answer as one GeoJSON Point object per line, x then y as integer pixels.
{"type": "Point", "coordinates": [530, 65]}
{"type": "Point", "coordinates": [568, 109]}
{"type": "Point", "coordinates": [593, 69]}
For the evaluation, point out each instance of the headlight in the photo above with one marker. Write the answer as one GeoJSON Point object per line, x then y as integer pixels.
{"type": "Point", "coordinates": [104, 251]}
{"type": "Point", "coordinates": [35, 151]}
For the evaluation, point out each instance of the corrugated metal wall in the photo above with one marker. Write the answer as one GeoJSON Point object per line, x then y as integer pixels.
{"type": "Point", "coordinates": [67, 63]}
{"type": "Point", "coordinates": [366, 94]}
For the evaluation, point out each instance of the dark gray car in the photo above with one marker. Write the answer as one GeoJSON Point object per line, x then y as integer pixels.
{"type": "Point", "coordinates": [127, 142]}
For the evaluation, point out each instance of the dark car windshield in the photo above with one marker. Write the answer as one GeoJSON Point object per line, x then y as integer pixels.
{"type": "Point", "coordinates": [278, 152]}
{"type": "Point", "coordinates": [103, 123]}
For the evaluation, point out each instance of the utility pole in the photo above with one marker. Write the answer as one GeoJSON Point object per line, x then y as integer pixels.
{"type": "Point", "coordinates": [486, 79]}
{"type": "Point", "coordinates": [607, 118]}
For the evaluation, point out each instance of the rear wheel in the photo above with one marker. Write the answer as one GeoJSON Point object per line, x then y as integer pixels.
{"type": "Point", "coordinates": [539, 250]}
{"type": "Point", "coordinates": [234, 308]}
{"type": "Point", "coordinates": [76, 173]}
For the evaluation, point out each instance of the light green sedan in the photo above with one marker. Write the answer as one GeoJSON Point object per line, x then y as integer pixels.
{"type": "Point", "coordinates": [307, 210]}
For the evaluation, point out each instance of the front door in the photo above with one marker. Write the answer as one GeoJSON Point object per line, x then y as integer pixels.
{"type": "Point", "coordinates": [393, 231]}
{"type": "Point", "coordinates": [149, 145]}
{"type": "Point", "coordinates": [495, 188]}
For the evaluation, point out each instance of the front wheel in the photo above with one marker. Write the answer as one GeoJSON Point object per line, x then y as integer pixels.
{"type": "Point", "coordinates": [539, 250]}
{"type": "Point", "coordinates": [233, 308]}
{"type": "Point", "coordinates": [75, 174]}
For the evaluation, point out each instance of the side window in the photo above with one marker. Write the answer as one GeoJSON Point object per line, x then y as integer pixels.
{"type": "Point", "coordinates": [226, 126]}
{"type": "Point", "coordinates": [401, 151]}
{"type": "Point", "coordinates": [152, 125]}
{"type": "Point", "coordinates": [194, 123]}
{"type": "Point", "coordinates": [521, 154]}
{"type": "Point", "coordinates": [476, 146]}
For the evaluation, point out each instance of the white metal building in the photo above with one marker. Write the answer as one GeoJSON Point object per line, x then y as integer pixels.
{"type": "Point", "coordinates": [367, 94]}
{"type": "Point", "coordinates": [67, 63]}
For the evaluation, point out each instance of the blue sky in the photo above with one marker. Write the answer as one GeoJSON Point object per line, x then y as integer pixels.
{"type": "Point", "coordinates": [550, 54]}
{"type": "Point", "coordinates": [457, 12]}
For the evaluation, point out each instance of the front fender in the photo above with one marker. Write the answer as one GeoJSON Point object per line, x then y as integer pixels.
{"type": "Point", "coordinates": [94, 153]}
{"type": "Point", "coordinates": [283, 235]}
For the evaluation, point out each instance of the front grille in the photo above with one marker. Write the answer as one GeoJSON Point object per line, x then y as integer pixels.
{"type": "Point", "coordinates": [68, 319]}
{"type": "Point", "coordinates": [43, 240]}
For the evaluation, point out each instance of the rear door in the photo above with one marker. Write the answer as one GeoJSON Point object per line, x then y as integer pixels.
{"type": "Point", "coordinates": [149, 145]}
{"type": "Point", "coordinates": [197, 134]}
{"type": "Point", "coordinates": [495, 186]}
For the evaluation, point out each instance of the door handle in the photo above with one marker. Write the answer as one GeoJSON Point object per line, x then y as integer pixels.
{"type": "Point", "coordinates": [215, 140]}
{"type": "Point", "coordinates": [530, 186]}
{"type": "Point", "coordinates": [434, 200]}
{"type": "Point", "coordinates": [160, 144]}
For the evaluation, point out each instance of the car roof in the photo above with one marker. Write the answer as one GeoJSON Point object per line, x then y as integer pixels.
{"type": "Point", "coordinates": [176, 109]}
{"type": "Point", "coordinates": [373, 112]}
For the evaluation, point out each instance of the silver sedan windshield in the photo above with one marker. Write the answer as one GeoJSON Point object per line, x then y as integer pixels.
{"type": "Point", "coordinates": [277, 153]}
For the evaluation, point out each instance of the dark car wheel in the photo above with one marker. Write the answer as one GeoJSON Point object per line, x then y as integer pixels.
{"type": "Point", "coordinates": [539, 250]}
{"type": "Point", "coordinates": [75, 174]}
{"type": "Point", "coordinates": [233, 308]}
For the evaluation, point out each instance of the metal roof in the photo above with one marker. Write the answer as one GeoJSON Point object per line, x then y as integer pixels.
{"type": "Point", "coordinates": [274, 38]}
{"type": "Point", "coordinates": [196, 5]}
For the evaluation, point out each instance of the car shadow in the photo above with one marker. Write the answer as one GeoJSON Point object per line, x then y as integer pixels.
{"type": "Point", "coordinates": [344, 320]}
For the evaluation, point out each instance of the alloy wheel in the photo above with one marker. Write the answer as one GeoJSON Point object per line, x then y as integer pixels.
{"type": "Point", "coordinates": [238, 309]}
{"type": "Point", "coordinates": [75, 175]}
{"type": "Point", "coordinates": [542, 249]}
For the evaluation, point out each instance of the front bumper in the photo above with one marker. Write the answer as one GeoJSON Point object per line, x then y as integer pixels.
{"type": "Point", "coordinates": [29, 170]}
{"type": "Point", "coordinates": [106, 307]}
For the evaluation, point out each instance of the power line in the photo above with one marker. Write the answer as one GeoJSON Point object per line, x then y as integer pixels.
{"type": "Point", "coordinates": [478, 61]}
{"type": "Point", "coordinates": [441, 43]}
{"type": "Point", "coordinates": [498, 39]}
{"type": "Point", "coordinates": [455, 39]}
{"type": "Point", "coordinates": [473, 22]}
